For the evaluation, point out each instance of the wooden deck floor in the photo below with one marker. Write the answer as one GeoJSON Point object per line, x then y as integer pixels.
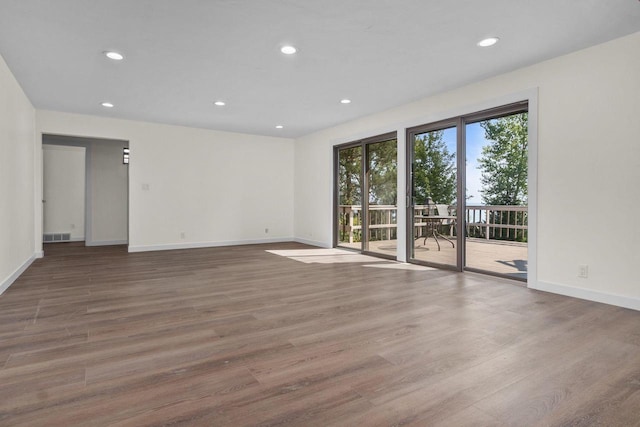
{"type": "Point", "coordinates": [307, 337]}
{"type": "Point", "coordinates": [508, 258]}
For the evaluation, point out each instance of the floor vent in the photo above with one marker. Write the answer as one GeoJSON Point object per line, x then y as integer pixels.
{"type": "Point", "coordinates": [56, 237]}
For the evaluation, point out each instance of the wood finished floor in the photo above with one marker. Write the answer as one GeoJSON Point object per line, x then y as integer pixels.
{"type": "Point", "coordinates": [239, 336]}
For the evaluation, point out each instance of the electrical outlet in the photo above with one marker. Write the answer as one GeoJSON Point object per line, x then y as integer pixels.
{"type": "Point", "coordinates": [266, 231]}
{"type": "Point", "coordinates": [182, 235]}
{"type": "Point", "coordinates": [583, 271]}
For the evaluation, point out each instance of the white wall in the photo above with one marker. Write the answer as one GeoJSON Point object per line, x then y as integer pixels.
{"type": "Point", "coordinates": [17, 175]}
{"type": "Point", "coordinates": [215, 187]}
{"type": "Point", "coordinates": [63, 188]}
{"type": "Point", "coordinates": [109, 193]}
{"type": "Point", "coordinates": [588, 165]}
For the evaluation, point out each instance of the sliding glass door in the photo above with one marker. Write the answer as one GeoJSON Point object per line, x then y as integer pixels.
{"type": "Point", "coordinates": [349, 197]}
{"type": "Point", "coordinates": [496, 193]}
{"type": "Point", "coordinates": [467, 188]}
{"type": "Point", "coordinates": [433, 188]}
{"type": "Point", "coordinates": [370, 168]}
{"type": "Point", "coordinates": [382, 201]}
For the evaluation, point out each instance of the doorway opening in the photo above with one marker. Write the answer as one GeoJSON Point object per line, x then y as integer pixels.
{"type": "Point", "coordinates": [85, 190]}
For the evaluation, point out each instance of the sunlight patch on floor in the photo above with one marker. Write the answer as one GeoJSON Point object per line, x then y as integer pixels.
{"type": "Point", "coordinates": [338, 256]}
{"type": "Point", "coordinates": [402, 266]}
{"type": "Point", "coordinates": [327, 256]}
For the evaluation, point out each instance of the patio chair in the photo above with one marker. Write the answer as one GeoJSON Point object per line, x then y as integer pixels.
{"type": "Point", "coordinates": [443, 210]}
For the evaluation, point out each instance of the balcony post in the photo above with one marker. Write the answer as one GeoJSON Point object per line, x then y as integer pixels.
{"type": "Point", "coordinates": [486, 234]}
{"type": "Point", "coordinates": [351, 225]}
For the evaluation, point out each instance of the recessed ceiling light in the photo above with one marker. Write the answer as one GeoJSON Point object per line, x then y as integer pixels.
{"type": "Point", "coordinates": [114, 55]}
{"type": "Point", "coordinates": [288, 50]}
{"type": "Point", "coordinates": [220, 103]}
{"type": "Point", "coordinates": [345, 101]}
{"type": "Point", "coordinates": [489, 41]}
{"type": "Point", "coordinates": [279, 127]}
{"type": "Point", "coordinates": [107, 105]}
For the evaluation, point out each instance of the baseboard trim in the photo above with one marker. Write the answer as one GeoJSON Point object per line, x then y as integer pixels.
{"type": "Point", "coordinates": [312, 243]}
{"type": "Point", "coordinates": [14, 276]}
{"type": "Point", "coordinates": [106, 243]}
{"type": "Point", "coordinates": [588, 294]}
{"type": "Point", "coordinates": [196, 245]}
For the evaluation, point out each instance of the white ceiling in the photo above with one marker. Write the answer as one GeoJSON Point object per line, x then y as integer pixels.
{"type": "Point", "coordinates": [182, 55]}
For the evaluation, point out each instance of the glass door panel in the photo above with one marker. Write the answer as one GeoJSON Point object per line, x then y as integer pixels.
{"type": "Point", "coordinates": [496, 195]}
{"type": "Point", "coordinates": [382, 207]}
{"type": "Point", "coordinates": [433, 190]}
{"type": "Point", "coordinates": [349, 213]}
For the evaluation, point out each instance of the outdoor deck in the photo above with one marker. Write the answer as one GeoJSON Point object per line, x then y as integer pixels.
{"type": "Point", "coordinates": [491, 233]}
{"type": "Point", "coordinates": [508, 258]}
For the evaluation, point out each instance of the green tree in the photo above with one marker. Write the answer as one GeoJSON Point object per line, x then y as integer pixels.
{"type": "Point", "coordinates": [383, 172]}
{"type": "Point", "coordinates": [434, 170]}
{"type": "Point", "coordinates": [349, 187]}
{"type": "Point", "coordinates": [503, 161]}
{"type": "Point", "coordinates": [349, 169]}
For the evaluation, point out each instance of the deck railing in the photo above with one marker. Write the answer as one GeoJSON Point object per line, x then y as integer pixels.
{"type": "Point", "coordinates": [487, 222]}
{"type": "Point", "coordinates": [498, 222]}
